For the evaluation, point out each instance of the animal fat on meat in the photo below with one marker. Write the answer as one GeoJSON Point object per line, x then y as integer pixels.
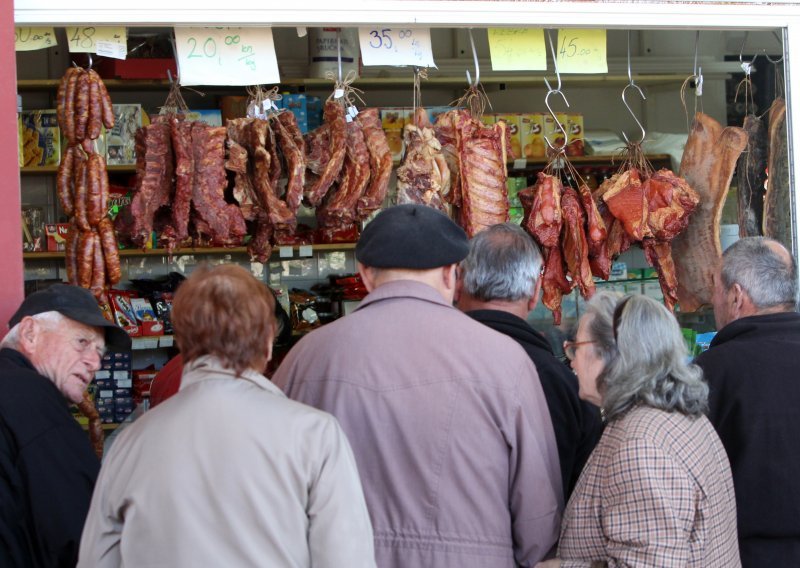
{"type": "Point", "coordinates": [777, 202]}
{"type": "Point", "coordinates": [751, 174]}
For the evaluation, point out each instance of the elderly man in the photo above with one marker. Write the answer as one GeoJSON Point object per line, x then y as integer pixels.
{"type": "Point", "coordinates": [446, 417]}
{"type": "Point", "coordinates": [498, 286]}
{"type": "Point", "coordinates": [47, 466]}
{"type": "Point", "coordinates": [752, 371]}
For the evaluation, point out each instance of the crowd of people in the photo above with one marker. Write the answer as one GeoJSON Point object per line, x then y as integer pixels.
{"type": "Point", "coordinates": [431, 427]}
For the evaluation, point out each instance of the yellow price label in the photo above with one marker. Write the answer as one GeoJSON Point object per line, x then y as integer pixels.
{"type": "Point", "coordinates": [517, 49]}
{"type": "Point", "coordinates": [582, 51]}
{"type": "Point", "coordinates": [84, 39]}
{"type": "Point", "coordinates": [27, 38]}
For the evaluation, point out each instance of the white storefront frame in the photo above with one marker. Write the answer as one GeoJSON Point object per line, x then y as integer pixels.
{"type": "Point", "coordinates": [609, 15]}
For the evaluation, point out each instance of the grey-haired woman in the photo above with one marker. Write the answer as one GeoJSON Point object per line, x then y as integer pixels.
{"type": "Point", "coordinates": [657, 490]}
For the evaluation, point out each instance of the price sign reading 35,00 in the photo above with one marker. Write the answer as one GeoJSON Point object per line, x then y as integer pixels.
{"type": "Point", "coordinates": [384, 45]}
{"type": "Point", "coordinates": [226, 56]}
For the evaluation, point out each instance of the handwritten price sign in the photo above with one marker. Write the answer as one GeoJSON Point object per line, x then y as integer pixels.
{"type": "Point", "coordinates": [84, 39]}
{"type": "Point", "coordinates": [226, 56]}
{"type": "Point", "coordinates": [30, 39]}
{"type": "Point", "coordinates": [517, 49]}
{"type": "Point", "coordinates": [582, 51]}
{"type": "Point", "coordinates": [396, 46]}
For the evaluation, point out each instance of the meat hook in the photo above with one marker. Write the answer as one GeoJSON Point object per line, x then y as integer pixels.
{"type": "Point", "coordinates": [747, 67]}
{"type": "Point", "coordinates": [475, 58]}
{"type": "Point", "coordinates": [552, 91]}
{"type": "Point", "coordinates": [698, 71]}
{"type": "Point", "coordinates": [633, 84]}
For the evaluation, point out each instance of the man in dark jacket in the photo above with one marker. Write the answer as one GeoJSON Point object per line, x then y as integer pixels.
{"type": "Point", "coordinates": [752, 372]}
{"type": "Point", "coordinates": [499, 285]}
{"type": "Point", "coordinates": [47, 466]}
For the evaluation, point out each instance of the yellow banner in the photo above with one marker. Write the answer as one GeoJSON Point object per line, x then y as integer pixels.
{"type": "Point", "coordinates": [517, 49]}
{"type": "Point", "coordinates": [582, 51]}
{"type": "Point", "coordinates": [27, 38]}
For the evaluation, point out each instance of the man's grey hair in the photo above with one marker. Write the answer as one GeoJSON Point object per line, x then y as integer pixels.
{"type": "Point", "coordinates": [762, 272]}
{"type": "Point", "coordinates": [50, 319]}
{"type": "Point", "coordinates": [503, 263]}
{"type": "Point", "coordinates": [645, 355]}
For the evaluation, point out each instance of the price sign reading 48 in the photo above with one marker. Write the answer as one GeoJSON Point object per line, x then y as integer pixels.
{"type": "Point", "coordinates": [384, 45]}
{"type": "Point", "coordinates": [582, 51]}
{"type": "Point", "coordinates": [226, 56]}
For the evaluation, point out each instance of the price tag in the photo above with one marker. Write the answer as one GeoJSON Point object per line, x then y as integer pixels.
{"type": "Point", "coordinates": [29, 39]}
{"type": "Point", "coordinates": [517, 49]}
{"type": "Point", "coordinates": [582, 51]}
{"type": "Point", "coordinates": [306, 250]}
{"type": "Point", "coordinates": [520, 164]}
{"type": "Point", "coordinates": [338, 93]}
{"type": "Point", "coordinates": [286, 252]}
{"type": "Point", "coordinates": [166, 341]}
{"type": "Point", "coordinates": [115, 50]}
{"type": "Point", "coordinates": [226, 56]}
{"type": "Point", "coordinates": [84, 39]}
{"type": "Point", "coordinates": [396, 46]}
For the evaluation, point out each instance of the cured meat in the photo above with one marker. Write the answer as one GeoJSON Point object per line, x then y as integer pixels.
{"type": "Point", "coordinates": [423, 176]}
{"type": "Point", "coordinates": [659, 256]}
{"type": "Point", "coordinates": [482, 171]}
{"type": "Point", "coordinates": [670, 202]}
{"type": "Point", "coordinates": [178, 230]}
{"type": "Point", "coordinates": [237, 162]}
{"type": "Point", "coordinates": [318, 150]}
{"type": "Point", "coordinates": [599, 253]}
{"type": "Point", "coordinates": [292, 147]}
{"type": "Point", "coordinates": [708, 163]}
{"type": "Point", "coordinates": [751, 174]}
{"type": "Point", "coordinates": [554, 282]}
{"type": "Point", "coordinates": [278, 213]}
{"type": "Point", "coordinates": [626, 199]}
{"type": "Point", "coordinates": [225, 222]}
{"type": "Point", "coordinates": [380, 162]}
{"type": "Point", "coordinates": [339, 209]}
{"type": "Point", "coordinates": [444, 128]}
{"type": "Point", "coordinates": [275, 169]}
{"type": "Point", "coordinates": [595, 226]}
{"type": "Point", "coordinates": [333, 115]}
{"type": "Point", "coordinates": [259, 246]}
{"type": "Point", "coordinates": [777, 202]}
{"type": "Point", "coordinates": [573, 243]}
{"type": "Point", "coordinates": [154, 168]}
{"type": "Point", "coordinates": [545, 220]}
{"type": "Point", "coordinates": [96, 437]}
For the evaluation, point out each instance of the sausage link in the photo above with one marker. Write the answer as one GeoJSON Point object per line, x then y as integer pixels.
{"type": "Point", "coordinates": [87, 408]}
{"type": "Point", "coordinates": [64, 182]}
{"type": "Point", "coordinates": [105, 100]}
{"type": "Point", "coordinates": [81, 106]}
{"type": "Point", "coordinates": [98, 287]}
{"type": "Point", "coordinates": [69, 105]}
{"type": "Point", "coordinates": [61, 96]}
{"type": "Point", "coordinates": [71, 253]}
{"type": "Point", "coordinates": [85, 258]}
{"type": "Point", "coordinates": [94, 197]}
{"type": "Point", "coordinates": [95, 124]}
{"type": "Point", "coordinates": [81, 182]}
{"type": "Point", "coordinates": [108, 239]}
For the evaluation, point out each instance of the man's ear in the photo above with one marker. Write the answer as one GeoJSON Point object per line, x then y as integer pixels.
{"type": "Point", "coordinates": [459, 283]}
{"type": "Point", "coordinates": [29, 331]}
{"type": "Point", "coordinates": [449, 277]}
{"type": "Point", "coordinates": [367, 276]}
{"type": "Point", "coordinates": [534, 299]}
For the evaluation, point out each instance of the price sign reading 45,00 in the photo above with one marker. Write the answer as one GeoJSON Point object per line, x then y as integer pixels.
{"type": "Point", "coordinates": [226, 56]}
{"type": "Point", "coordinates": [582, 51]}
{"type": "Point", "coordinates": [383, 45]}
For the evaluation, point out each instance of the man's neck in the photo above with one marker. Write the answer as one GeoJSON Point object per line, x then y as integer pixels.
{"type": "Point", "coordinates": [519, 308]}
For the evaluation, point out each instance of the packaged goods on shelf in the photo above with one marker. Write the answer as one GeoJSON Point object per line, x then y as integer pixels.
{"type": "Point", "coordinates": [212, 117]}
{"type": "Point", "coordinates": [124, 315]}
{"type": "Point", "coordinates": [489, 118]}
{"type": "Point", "coordinates": [393, 119]}
{"type": "Point", "coordinates": [513, 124]}
{"type": "Point", "coordinates": [532, 135]}
{"type": "Point", "coordinates": [40, 138]}
{"type": "Point", "coordinates": [575, 146]}
{"type": "Point", "coordinates": [56, 235]}
{"type": "Point", "coordinates": [551, 128]}
{"type": "Point", "coordinates": [602, 143]}
{"type": "Point", "coordinates": [307, 110]}
{"type": "Point", "coordinates": [146, 317]}
{"type": "Point", "coordinates": [120, 140]}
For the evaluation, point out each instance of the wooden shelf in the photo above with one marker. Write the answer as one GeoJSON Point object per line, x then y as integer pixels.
{"type": "Point", "coordinates": [49, 170]}
{"type": "Point", "coordinates": [106, 427]}
{"type": "Point", "coordinates": [188, 251]}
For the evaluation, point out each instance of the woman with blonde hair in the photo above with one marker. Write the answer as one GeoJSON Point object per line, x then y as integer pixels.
{"type": "Point", "coordinates": [657, 490]}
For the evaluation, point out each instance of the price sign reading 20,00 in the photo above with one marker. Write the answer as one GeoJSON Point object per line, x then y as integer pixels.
{"type": "Point", "coordinates": [208, 50]}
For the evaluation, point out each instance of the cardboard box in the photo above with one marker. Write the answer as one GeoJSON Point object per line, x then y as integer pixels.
{"type": "Point", "coordinates": [140, 68]}
{"type": "Point", "coordinates": [56, 235]}
{"type": "Point", "coordinates": [232, 107]}
{"type": "Point", "coordinates": [146, 317]}
{"type": "Point", "coordinates": [513, 124]}
{"type": "Point", "coordinates": [40, 139]}
{"type": "Point", "coordinates": [212, 117]}
{"type": "Point", "coordinates": [532, 135]}
{"type": "Point", "coordinates": [489, 119]}
{"type": "Point", "coordinates": [575, 147]}
{"type": "Point", "coordinates": [124, 315]}
{"type": "Point", "coordinates": [121, 140]}
{"type": "Point", "coordinates": [551, 130]}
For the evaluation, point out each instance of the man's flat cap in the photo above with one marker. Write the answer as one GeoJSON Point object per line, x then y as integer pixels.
{"type": "Point", "coordinates": [77, 304]}
{"type": "Point", "coordinates": [411, 236]}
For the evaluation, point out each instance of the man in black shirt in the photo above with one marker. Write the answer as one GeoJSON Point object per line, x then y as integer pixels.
{"type": "Point", "coordinates": [47, 467]}
{"type": "Point", "coordinates": [754, 397]}
{"type": "Point", "coordinates": [499, 285]}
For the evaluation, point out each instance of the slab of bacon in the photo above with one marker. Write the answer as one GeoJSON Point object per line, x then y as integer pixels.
{"type": "Point", "coordinates": [339, 207]}
{"type": "Point", "coordinates": [336, 128]}
{"type": "Point", "coordinates": [423, 176]}
{"type": "Point", "coordinates": [380, 162]}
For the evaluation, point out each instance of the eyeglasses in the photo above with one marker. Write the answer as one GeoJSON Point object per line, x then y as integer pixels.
{"type": "Point", "coordinates": [571, 346]}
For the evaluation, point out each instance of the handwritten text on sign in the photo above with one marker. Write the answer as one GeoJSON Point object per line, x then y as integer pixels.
{"type": "Point", "coordinates": [84, 39]}
{"type": "Point", "coordinates": [226, 56]}
{"type": "Point", "coordinates": [29, 39]}
{"type": "Point", "coordinates": [384, 45]}
{"type": "Point", "coordinates": [517, 49]}
{"type": "Point", "coordinates": [582, 51]}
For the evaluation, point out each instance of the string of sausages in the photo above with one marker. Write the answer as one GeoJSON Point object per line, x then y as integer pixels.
{"type": "Point", "coordinates": [83, 108]}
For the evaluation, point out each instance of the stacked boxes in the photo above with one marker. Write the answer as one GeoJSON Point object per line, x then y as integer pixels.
{"type": "Point", "coordinates": [39, 139]}
{"type": "Point", "coordinates": [307, 110]}
{"type": "Point", "coordinates": [114, 388]}
{"type": "Point", "coordinates": [532, 135]}
{"type": "Point", "coordinates": [514, 185]}
{"type": "Point", "coordinates": [393, 119]}
{"type": "Point", "coordinates": [513, 124]}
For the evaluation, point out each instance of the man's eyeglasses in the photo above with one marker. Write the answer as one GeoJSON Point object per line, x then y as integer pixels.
{"type": "Point", "coordinates": [571, 346]}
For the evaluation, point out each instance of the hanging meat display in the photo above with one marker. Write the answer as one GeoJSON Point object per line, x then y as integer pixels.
{"type": "Point", "coordinates": [423, 176]}
{"type": "Point", "coordinates": [709, 160]}
{"type": "Point", "coordinates": [83, 108]}
{"type": "Point", "coordinates": [777, 213]}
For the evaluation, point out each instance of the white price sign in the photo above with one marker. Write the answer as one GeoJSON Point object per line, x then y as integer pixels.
{"type": "Point", "coordinates": [84, 39]}
{"type": "Point", "coordinates": [110, 49]}
{"type": "Point", "coordinates": [226, 56]}
{"type": "Point", "coordinates": [396, 46]}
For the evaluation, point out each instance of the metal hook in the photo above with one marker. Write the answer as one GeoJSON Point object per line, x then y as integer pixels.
{"type": "Point", "coordinates": [475, 58]}
{"type": "Point", "coordinates": [746, 67]}
{"type": "Point", "coordinates": [555, 65]}
{"type": "Point", "coordinates": [339, 51]}
{"type": "Point", "coordinates": [552, 91]}
{"type": "Point", "coordinates": [773, 61]}
{"type": "Point", "coordinates": [698, 71]}
{"type": "Point", "coordinates": [90, 61]}
{"type": "Point", "coordinates": [630, 110]}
